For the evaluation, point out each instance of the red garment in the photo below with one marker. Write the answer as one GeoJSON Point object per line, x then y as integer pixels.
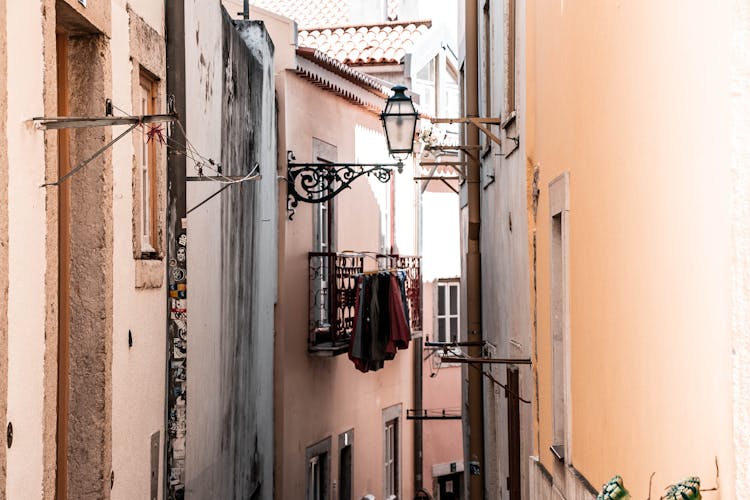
{"type": "Point", "coordinates": [400, 334]}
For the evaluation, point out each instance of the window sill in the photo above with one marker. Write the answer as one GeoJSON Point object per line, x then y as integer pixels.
{"type": "Point", "coordinates": [149, 273]}
{"type": "Point", "coordinates": [558, 451]}
{"type": "Point", "coordinates": [509, 120]}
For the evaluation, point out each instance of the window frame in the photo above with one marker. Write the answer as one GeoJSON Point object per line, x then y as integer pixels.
{"type": "Point", "coordinates": [324, 234]}
{"type": "Point", "coordinates": [559, 317]}
{"type": "Point", "coordinates": [447, 284]}
{"type": "Point", "coordinates": [346, 440]}
{"type": "Point", "coordinates": [146, 208]}
{"type": "Point", "coordinates": [509, 99]}
{"type": "Point", "coordinates": [392, 461]}
{"type": "Point", "coordinates": [318, 454]}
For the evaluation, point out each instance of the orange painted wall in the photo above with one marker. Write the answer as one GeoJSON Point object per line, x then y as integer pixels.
{"type": "Point", "coordinates": [632, 99]}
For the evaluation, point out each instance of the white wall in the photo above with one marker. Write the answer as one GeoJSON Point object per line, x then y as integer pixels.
{"type": "Point", "coordinates": [203, 96]}
{"type": "Point", "coordinates": [138, 372]}
{"type": "Point", "coordinates": [27, 257]}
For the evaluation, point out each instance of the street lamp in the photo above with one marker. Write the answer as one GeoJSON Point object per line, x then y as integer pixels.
{"type": "Point", "coordinates": [320, 182]}
{"type": "Point", "coordinates": [399, 123]}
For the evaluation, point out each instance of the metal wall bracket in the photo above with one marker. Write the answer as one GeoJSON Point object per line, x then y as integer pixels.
{"type": "Point", "coordinates": [66, 122]}
{"type": "Point", "coordinates": [320, 182]}
{"type": "Point", "coordinates": [440, 414]}
{"type": "Point", "coordinates": [481, 124]}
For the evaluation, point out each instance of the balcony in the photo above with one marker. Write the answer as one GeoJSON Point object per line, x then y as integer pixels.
{"type": "Point", "coordinates": [333, 281]}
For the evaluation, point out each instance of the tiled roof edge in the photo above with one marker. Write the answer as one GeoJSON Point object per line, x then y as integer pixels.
{"type": "Point", "coordinates": [420, 22]}
{"type": "Point", "coordinates": [344, 71]}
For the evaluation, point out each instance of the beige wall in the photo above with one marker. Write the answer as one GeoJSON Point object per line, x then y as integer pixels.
{"type": "Point", "coordinates": [632, 100]}
{"type": "Point", "coordinates": [3, 233]}
{"type": "Point", "coordinates": [26, 250]}
{"type": "Point", "coordinates": [103, 268]}
{"type": "Point", "coordinates": [138, 392]}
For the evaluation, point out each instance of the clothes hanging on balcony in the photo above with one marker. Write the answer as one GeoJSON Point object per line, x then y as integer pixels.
{"type": "Point", "coordinates": [381, 324]}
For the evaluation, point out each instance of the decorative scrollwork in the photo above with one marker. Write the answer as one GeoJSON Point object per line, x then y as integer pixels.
{"type": "Point", "coordinates": [320, 182]}
{"type": "Point", "coordinates": [333, 294]}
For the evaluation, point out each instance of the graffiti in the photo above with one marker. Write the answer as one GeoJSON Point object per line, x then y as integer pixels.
{"type": "Point", "coordinates": [176, 426]}
{"type": "Point", "coordinates": [178, 274]}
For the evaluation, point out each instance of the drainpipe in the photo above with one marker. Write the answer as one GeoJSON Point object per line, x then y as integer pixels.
{"type": "Point", "coordinates": [474, 462]}
{"type": "Point", "coordinates": [418, 436]}
{"type": "Point", "coordinates": [418, 362]}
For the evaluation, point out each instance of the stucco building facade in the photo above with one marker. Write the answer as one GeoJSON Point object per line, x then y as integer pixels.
{"type": "Point", "coordinates": [613, 241]}
{"type": "Point", "coordinates": [83, 376]}
{"type": "Point", "coordinates": [92, 275]}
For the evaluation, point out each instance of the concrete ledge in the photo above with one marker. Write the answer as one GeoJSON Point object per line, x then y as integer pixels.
{"type": "Point", "coordinates": [149, 273]}
{"type": "Point", "coordinates": [542, 484]}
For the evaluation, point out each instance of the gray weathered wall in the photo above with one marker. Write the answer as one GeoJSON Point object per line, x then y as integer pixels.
{"type": "Point", "coordinates": [230, 403]}
{"type": "Point", "coordinates": [247, 133]}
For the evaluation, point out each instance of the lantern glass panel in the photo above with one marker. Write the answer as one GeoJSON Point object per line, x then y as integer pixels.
{"type": "Point", "coordinates": [399, 120]}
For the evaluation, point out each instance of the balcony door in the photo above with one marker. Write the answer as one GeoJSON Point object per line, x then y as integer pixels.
{"type": "Point", "coordinates": [324, 240]}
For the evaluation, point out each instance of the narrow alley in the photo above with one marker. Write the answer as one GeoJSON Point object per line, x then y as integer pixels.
{"type": "Point", "coordinates": [374, 249]}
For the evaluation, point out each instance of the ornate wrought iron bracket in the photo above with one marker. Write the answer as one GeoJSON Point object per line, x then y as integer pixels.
{"type": "Point", "coordinates": [320, 182]}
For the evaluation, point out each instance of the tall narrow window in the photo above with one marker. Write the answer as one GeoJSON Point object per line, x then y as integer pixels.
{"type": "Point", "coordinates": [447, 318]}
{"type": "Point", "coordinates": [318, 467]}
{"type": "Point", "coordinates": [559, 316]}
{"type": "Point", "coordinates": [424, 85]}
{"type": "Point", "coordinates": [391, 452]}
{"type": "Point", "coordinates": [323, 242]}
{"type": "Point", "coordinates": [487, 57]}
{"type": "Point", "coordinates": [146, 172]}
{"type": "Point", "coordinates": [510, 44]}
{"type": "Point", "coordinates": [346, 469]}
{"type": "Point", "coordinates": [391, 459]}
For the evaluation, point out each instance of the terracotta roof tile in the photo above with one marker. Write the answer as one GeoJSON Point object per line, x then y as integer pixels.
{"type": "Point", "coordinates": [365, 44]}
{"type": "Point", "coordinates": [371, 91]}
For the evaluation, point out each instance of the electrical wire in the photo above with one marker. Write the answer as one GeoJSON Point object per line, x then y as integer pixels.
{"type": "Point", "coordinates": [252, 175]}
{"type": "Point", "coordinates": [192, 153]}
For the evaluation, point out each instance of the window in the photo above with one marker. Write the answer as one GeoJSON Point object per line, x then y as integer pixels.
{"type": "Point", "coordinates": [318, 470]}
{"type": "Point", "coordinates": [323, 239]}
{"type": "Point", "coordinates": [346, 442]}
{"type": "Point", "coordinates": [449, 100]}
{"type": "Point", "coordinates": [510, 44]}
{"type": "Point", "coordinates": [391, 452]}
{"type": "Point", "coordinates": [146, 192]}
{"type": "Point", "coordinates": [487, 57]}
{"type": "Point", "coordinates": [559, 317]}
{"type": "Point", "coordinates": [447, 319]}
{"type": "Point", "coordinates": [321, 234]}
{"type": "Point", "coordinates": [424, 85]}
{"type": "Point", "coordinates": [391, 458]}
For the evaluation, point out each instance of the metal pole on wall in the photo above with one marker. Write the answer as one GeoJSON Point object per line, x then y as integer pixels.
{"type": "Point", "coordinates": [176, 411]}
{"type": "Point", "coordinates": [475, 460]}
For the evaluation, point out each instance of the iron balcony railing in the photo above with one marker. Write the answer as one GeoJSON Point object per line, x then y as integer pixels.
{"type": "Point", "coordinates": [333, 285]}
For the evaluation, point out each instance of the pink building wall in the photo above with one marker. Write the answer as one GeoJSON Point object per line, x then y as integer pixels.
{"type": "Point", "coordinates": [442, 439]}
{"type": "Point", "coordinates": [316, 397]}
